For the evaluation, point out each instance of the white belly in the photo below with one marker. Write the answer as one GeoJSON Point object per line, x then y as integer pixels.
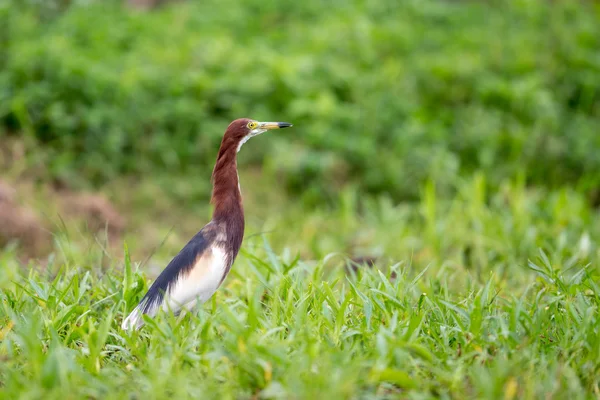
{"type": "Point", "coordinates": [200, 284]}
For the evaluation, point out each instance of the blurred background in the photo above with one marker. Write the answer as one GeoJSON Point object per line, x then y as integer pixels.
{"type": "Point", "coordinates": [430, 131]}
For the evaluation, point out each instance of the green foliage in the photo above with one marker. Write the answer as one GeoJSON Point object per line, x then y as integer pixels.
{"type": "Point", "coordinates": [506, 321]}
{"type": "Point", "coordinates": [490, 292]}
{"type": "Point", "coordinates": [477, 229]}
{"type": "Point", "coordinates": [285, 329]}
{"type": "Point", "coordinates": [384, 94]}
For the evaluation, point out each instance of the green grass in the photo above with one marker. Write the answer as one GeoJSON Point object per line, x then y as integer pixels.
{"type": "Point", "coordinates": [487, 283]}
{"type": "Point", "coordinates": [485, 295]}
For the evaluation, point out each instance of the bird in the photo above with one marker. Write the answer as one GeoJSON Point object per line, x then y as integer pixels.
{"type": "Point", "coordinates": [201, 266]}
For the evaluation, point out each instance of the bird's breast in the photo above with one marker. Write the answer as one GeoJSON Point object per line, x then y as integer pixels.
{"type": "Point", "coordinates": [212, 270]}
{"type": "Point", "coordinates": [203, 279]}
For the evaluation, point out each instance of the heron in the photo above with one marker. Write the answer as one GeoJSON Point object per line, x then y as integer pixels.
{"type": "Point", "coordinates": [199, 269]}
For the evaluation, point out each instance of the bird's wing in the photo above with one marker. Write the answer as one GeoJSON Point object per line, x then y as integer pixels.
{"type": "Point", "coordinates": [193, 275]}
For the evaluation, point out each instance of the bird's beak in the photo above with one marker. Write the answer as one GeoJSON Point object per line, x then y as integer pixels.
{"type": "Point", "coordinates": [274, 125]}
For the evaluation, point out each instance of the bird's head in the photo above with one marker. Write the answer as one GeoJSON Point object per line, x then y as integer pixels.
{"type": "Point", "coordinates": [241, 130]}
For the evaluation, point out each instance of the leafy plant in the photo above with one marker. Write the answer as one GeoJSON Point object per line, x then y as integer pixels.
{"type": "Point", "coordinates": [384, 95]}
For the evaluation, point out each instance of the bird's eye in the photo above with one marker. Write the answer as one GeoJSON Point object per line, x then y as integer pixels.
{"type": "Point", "coordinates": [252, 124]}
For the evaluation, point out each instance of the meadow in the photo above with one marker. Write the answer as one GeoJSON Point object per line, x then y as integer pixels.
{"type": "Point", "coordinates": [429, 228]}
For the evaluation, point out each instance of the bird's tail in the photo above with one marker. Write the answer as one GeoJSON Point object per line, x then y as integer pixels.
{"type": "Point", "coordinates": [134, 320]}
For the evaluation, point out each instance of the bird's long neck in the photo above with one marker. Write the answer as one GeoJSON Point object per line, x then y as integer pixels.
{"type": "Point", "coordinates": [226, 196]}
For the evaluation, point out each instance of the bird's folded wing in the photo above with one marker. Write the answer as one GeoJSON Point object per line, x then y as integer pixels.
{"type": "Point", "coordinates": [193, 275]}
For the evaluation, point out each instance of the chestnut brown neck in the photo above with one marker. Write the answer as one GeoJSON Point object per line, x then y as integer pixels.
{"type": "Point", "coordinates": [226, 196]}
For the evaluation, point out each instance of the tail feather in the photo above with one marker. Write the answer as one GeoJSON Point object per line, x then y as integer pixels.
{"type": "Point", "coordinates": [134, 320]}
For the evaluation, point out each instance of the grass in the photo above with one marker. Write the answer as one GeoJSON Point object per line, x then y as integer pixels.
{"type": "Point", "coordinates": [485, 286]}
{"type": "Point", "coordinates": [484, 295]}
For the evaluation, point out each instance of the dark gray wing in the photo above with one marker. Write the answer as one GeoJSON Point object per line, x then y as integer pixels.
{"type": "Point", "coordinates": [179, 266]}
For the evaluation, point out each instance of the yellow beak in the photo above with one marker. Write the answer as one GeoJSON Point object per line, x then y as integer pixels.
{"type": "Point", "coordinates": [274, 125]}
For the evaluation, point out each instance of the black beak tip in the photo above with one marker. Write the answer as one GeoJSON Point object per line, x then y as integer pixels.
{"type": "Point", "coordinates": [284, 124]}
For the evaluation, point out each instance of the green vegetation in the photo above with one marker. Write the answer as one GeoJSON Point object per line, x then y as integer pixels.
{"type": "Point", "coordinates": [384, 94]}
{"type": "Point", "coordinates": [456, 142]}
{"type": "Point", "coordinates": [465, 316]}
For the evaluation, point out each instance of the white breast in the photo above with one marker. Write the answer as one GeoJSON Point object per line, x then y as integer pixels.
{"type": "Point", "coordinates": [200, 284]}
